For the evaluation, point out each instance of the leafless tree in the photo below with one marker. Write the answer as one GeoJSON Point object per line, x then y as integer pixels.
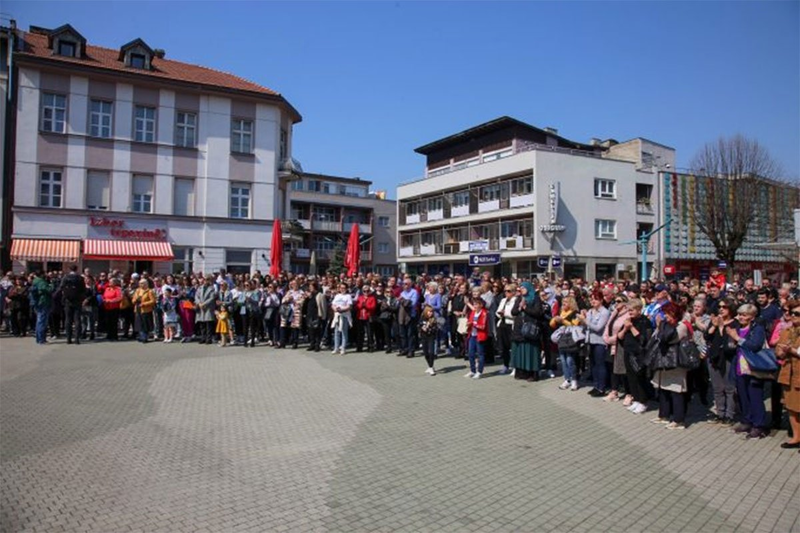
{"type": "Point", "coordinates": [732, 174]}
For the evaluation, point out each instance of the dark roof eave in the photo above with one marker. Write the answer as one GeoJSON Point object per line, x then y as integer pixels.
{"type": "Point", "coordinates": [24, 57]}
{"type": "Point", "coordinates": [492, 125]}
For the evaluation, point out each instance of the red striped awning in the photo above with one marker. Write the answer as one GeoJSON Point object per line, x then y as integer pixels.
{"type": "Point", "coordinates": [133, 250]}
{"type": "Point", "coordinates": [45, 250]}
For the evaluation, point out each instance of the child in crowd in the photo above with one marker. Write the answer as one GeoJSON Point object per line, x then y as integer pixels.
{"type": "Point", "coordinates": [428, 329]}
{"type": "Point", "coordinates": [477, 335]}
{"type": "Point", "coordinates": [169, 308]}
{"type": "Point", "coordinates": [223, 326]}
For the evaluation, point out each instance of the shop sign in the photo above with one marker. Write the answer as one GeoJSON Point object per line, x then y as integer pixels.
{"type": "Point", "coordinates": [722, 264]}
{"type": "Point", "coordinates": [119, 229]}
{"type": "Point", "coordinates": [553, 200]}
{"type": "Point", "coordinates": [556, 261]}
{"type": "Point", "coordinates": [478, 246]}
{"type": "Point", "coordinates": [484, 259]}
{"type": "Point", "coordinates": [542, 262]}
{"type": "Point", "coordinates": [669, 270]}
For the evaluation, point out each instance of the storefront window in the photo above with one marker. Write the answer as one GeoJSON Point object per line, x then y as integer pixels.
{"type": "Point", "coordinates": [238, 261]}
{"type": "Point", "coordinates": [183, 260]}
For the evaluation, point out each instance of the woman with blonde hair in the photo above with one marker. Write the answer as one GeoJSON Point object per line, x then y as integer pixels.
{"type": "Point", "coordinates": [568, 316]}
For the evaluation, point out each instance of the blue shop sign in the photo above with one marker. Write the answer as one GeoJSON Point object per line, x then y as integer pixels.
{"type": "Point", "coordinates": [484, 259]}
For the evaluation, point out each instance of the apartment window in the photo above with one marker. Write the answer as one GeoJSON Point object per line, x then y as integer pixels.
{"type": "Point", "coordinates": [144, 124]}
{"type": "Point", "coordinates": [383, 247]}
{"type": "Point", "coordinates": [496, 155]}
{"type": "Point", "coordinates": [182, 262]}
{"type": "Point", "coordinates": [605, 229]}
{"type": "Point", "coordinates": [137, 61]}
{"type": "Point", "coordinates": [435, 204]}
{"type": "Point", "coordinates": [490, 193]}
{"type": "Point", "coordinates": [319, 186]}
{"type": "Point", "coordinates": [297, 185]}
{"type": "Point", "coordinates": [348, 190]}
{"type": "Point", "coordinates": [66, 48]}
{"type": "Point", "coordinates": [383, 222]}
{"type": "Point", "coordinates": [50, 188]}
{"type": "Point", "coordinates": [54, 113]}
{"type": "Point", "coordinates": [412, 208]}
{"type": "Point", "coordinates": [605, 188]}
{"type": "Point", "coordinates": [509, 229]}
{"type": "Point", "coordinates": [284, 144]}
{"type": "Point", "coordinates": [324, 243]}
{"type": "Point", "coordinates": [324, 214]}
{"type": "Point", "coordinates": [185, 129]}
{"type": "Point", "coordinates": [242, 136]}
{"type": "Point", "coordinates": [183, 197]}
{"type": "Point", "coordinates": [460, 198]}
{"type": "Point", "coordinates": [100, 119]}
{"type": "Point", "coordinates": [98, 191]}
{"type": "Point", "coordinates": [240, 201]}
{"type": "Point", "coordinates": [238, 261]}
{"type": "Point", "coordinates": [522, 186]}
{"type": "Point", "coordinates": [142, 194]}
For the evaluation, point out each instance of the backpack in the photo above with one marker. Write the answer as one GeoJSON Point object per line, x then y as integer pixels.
{"type": "Point", "coordinates": [72, 289]}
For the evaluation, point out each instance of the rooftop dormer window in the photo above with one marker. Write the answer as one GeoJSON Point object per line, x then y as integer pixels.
{"type": "Point", "coordinates": [66, 48]}
{"type": "Point", "coordinates": [138, 60]}
{"type": "Point", "coordinates": [136, 54]}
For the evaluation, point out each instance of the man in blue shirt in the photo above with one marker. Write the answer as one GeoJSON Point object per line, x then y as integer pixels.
{"type": "Point", "coordinates": [407, 318]}
{"type": "Point", "coordinates": [654, 309]}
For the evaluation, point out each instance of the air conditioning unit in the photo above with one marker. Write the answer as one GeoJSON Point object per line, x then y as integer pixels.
{"type": "Point", "coordinates": [511, 243]}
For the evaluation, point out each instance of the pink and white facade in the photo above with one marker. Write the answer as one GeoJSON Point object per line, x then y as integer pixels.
{"type": "Point", "coordinates": [146, 150]}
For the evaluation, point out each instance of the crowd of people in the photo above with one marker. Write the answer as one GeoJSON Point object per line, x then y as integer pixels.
{"type": "Point", "coordinates": [636, 344]}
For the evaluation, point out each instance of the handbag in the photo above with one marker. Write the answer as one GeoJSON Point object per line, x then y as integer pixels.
{"type": "Point", "coordinates": [761, 361]}
{"type": "Point", "coordinates": [286, 312]}
{"type": "Point", "coordinates": [463, 325]}
{"type": "Point", "coordinates": [530, 331]}
{"type": "Point", "coordinates": [567, 343]}
{"type": "Point", "coordinates": [688, 355]}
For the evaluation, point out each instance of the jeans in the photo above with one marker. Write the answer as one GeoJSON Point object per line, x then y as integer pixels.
{"type": "Point", "coordinates": [599, 371]}
{"type": "Point", "coordinates": [751, 399]}
{"type": "Point", "coordinates": [476, 348]}
{"type": "Point", "coordinates": [73, 314]}
{"type": "Point", "coordinates": [42, 318]}
{"type": "Point", "coordinates": [724, 390]}
{"type": "Point", "coordinates": [568, 365]}
{"type": "Point", "coordinates": [340, 337]}
{"type": "Point", "coordinates": [672, 403]}
{"type": "Point", "coordinates": [429, 349]}
{"type": "Point", "coordinates": [89, 318]}
{"type": "Point", "coordinates": [408, 337]}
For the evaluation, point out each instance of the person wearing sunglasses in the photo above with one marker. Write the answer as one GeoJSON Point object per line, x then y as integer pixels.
{"type": "Point", "coordinates": [721, 351]}
{"type": "Point", "coordinates": [749, 384]}
{"type": "Point", "coordinates": [787, 350]}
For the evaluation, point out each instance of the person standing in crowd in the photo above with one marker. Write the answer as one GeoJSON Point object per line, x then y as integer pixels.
{"type": "Point", "coordinates": [458, 311]}
{"type": "Point", "coordinates": [634, 337]}
{"type": "Point", "coordinates": [505, 324]}
{"type": "Point", "coordinates": [341, 306]}
{"type": "Point", "coordinates": [546, 345]}
{"type": "Point", "coordinates": [186, 309]}
{"type": "Point", "coordinates": [720, 354]}
{"type": "Point", "coordinates": [112, 298]}
{"type": "Point", "coordinates": [619, 315]}
{"type": "Point", "coordinates": [697, 378]}
{"type": "Point", "coordinates": [170, 313]}
{"type": "Point", "coordinates": [568, 316]}
{"type": "Point", "coordinates": [381, 338]}
{"type": "Point", "coordinates": [407, 319]}
{"type": "Point", "coordinates": [73, 291]}
{"type": "Point", "coordinates": [316, 316]}
{"type": "Point", "coordinates": [749, 384]}
{"type": "Point", "coordinates": [19, 306]}
{"type": "Point", "coordinates": [428, 329]}
{"type": "Point", "coordinates": [89, 313]}
{"type": "Point", "coordinates": [205, 304]}
{"type": "Point", "coordinates": [41, 297]}
{"type": "Point", "coordinates": [271, 303]}
{"type": "Point", "coordinates": [291, 315]}
{"type": "Point", "coordinates": [595, 320]}
{"type": "Point", "coordinates": [144, 301]}
{"type": "Point", "coordinates": [251, 319]}
{"type": "Point", "coordinates": [366, 308]}
{"type": "Point", "coordinates": [478, 337]}
{"type": "Point", "coordinates": [787, 350]}
{"type": "Point", "coordinates": [223, 325]}
{"type": "Point", "coordinates": [669, 380]}
{"type": "Point", "coordinates": [526, 352]}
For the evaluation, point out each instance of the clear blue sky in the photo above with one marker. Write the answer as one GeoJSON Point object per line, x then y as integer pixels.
{"type": "Point", "coordinates": [374, 80]}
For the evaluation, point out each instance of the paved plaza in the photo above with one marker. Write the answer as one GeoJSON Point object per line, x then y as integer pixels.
{"type": "Point", "coordinates": [123, 437]}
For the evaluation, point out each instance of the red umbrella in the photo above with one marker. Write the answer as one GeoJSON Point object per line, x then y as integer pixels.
{"type": "Point", "coordinates": [353, 255]}
{"type": "Point", "coordinates": [276, 253]}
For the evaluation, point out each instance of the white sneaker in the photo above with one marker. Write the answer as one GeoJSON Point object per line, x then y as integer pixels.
{"type": "Point", "coordinates": [477, 375]}
{"type": "Point", "coordinates": [565, 385]}
{"type": "Point", "coordinates": [513, 372]}
{"type": "Point", "coordinates": [640, 409]}
{"type": "Point", "coordinates": [432, 371]}
{"type": "Point", "coordinates": [503, 370]}
{"type": "Point", "coordinates": [574, 385]}
{"type": "Point", "coordinates": [429, 371]}
{"type": "Point", "coordinates": [334, 352]}
{"type": "Point", "coordinates": [632, 407]}
{"type": "Point", "coordinates": [469, 375]}
{"type": "Point", "coordinates": [552, 374]}
{"type": "Point", "coordinates": [341, 351]}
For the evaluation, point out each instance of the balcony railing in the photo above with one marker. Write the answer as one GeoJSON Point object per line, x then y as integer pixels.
{"type": "Point", "coordinates": [326, 225]}
{"type": "Point", "coordinates": [362, 227]}
{"type": "Point", "coordinates": [644, 208]}
{"type": "Point", "coordinates": [301, 253]}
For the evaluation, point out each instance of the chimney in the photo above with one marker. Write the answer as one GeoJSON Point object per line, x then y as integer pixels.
{"type": "Point", "coordinates": [552, 130]}
{"type": "Point", "coordinates": [160, 53]}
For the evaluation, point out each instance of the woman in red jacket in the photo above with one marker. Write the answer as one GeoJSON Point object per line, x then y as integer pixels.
{"type": "Point", "coordinates": [366, 308]}
{"type": "Point", "coordinates": [112, 296]}
{"type": "Point", "coordinates": [476, 338]}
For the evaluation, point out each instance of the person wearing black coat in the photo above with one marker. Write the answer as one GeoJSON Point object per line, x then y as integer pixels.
{"type": "Point", "coordinates": [720, 354]}
{"type": "Point", "coordinates": [634, 336]}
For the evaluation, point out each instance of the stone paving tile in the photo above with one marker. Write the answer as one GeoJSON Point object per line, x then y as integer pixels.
{"type": "Point", "coordinates": [193, 438]}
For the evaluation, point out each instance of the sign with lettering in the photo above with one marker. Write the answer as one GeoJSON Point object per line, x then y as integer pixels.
{"type": "Point", "coordinates": [484, 259]}
{"type": "Point", "coordinates": [478, 246]}
{"type": "Point", "coordinates": [119, 228]}
{"type": "Point", "coordinates": [553, 199]}
{"type": "Point", "coordinates": [542, 262]}
{"type": "Point", "coordinates": [556, 261]}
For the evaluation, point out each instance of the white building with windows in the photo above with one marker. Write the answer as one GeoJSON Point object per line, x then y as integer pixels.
{"type": "Point", "coordinates": [533, 200]}
{"type": "Point", "coordinates": [125, 159]}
